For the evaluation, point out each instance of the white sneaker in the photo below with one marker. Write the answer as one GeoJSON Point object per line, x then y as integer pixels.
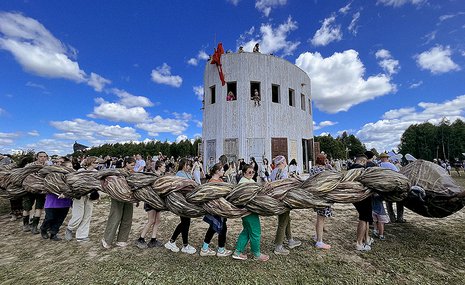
{"type": "Point", "coordinates": [105, 244]}
{"type": "Point", "coordinates": [172, 246]}
{"type": "Point", "coordinates": [122, 244]}
{"type": "Point", "coordinates": [293, 243]}
{"type": "Point", "coordinates": [370, 241]}
{"type": "Point", "coordinates": [208, 252]}
{"type": "Point", "coordinates": [188, 249]}
{"type": "Point", "coordinates": [363, 247]}
{"type": "Point", "coordinates": [225, 253]}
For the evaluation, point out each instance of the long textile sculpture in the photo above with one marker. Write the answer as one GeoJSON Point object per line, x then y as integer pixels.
{"type": "Point", "coordinates": [185, 198]}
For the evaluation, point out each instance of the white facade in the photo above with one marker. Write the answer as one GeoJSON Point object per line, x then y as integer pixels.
{"type": "Point", "coordinates": [239, 128]}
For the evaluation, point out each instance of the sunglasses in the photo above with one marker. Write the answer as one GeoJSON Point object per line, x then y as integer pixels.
{"type": "Point", "coordinates": [250, 172]}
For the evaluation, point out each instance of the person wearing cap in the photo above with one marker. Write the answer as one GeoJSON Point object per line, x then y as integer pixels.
{"type": "Point", "coordinates": [284, 220]}
{"type": "Point", "coordinates": [384, 157]}
{"type": "Point", "coordinates": [321, 213]}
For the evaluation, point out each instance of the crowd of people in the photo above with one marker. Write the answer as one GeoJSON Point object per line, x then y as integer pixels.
{"type": "Point", "coordinates": [118, 226]}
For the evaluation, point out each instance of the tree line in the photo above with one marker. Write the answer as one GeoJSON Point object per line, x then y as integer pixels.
{"type": "Point", "coordinates": [427, 141]}
{"type": "Point", "coordinates": [181, 149]}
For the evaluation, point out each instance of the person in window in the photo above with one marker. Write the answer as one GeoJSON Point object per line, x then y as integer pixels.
{"type": "Point", "coordinates": [230, 96]}
{"type": "Point", "coordinates": [256, 48]}
{"type": "Point", "coordinates": [241, 49]}
{"type": "Point", "coordinates": [256, 97]}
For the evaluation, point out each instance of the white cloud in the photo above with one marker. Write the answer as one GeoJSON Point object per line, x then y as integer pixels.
{"type": "Point", "coordinates": [33, 133]}
{"type": "Point", "coordinates": [450, 16]}
{"type": "Point", "coordinates": [193, 61]}
{"type": "Point", "coordinates": [345, 9]}
{"type": "Point", "coordinates": [40, 53]}
{"type": "Point", "coordinates": [430, 36]}
{"type": "Point", "coordinates": [183, 116]}
{"type": "Point", "coordinates": [157, 125]}
{"type": "Point", "coordinates": [35, 85]}
{"type": "Point", "coordinates": [202, 55]}
{"type": "Point", "coordinates": [385, 134]}
{"type": "Point", "coordinates": [118, 112]}
{"type": "Point", "coordinates": [327, 33]}
{"type": "Point", "coordinates": [437, 60]}
{"type": "Point", "coordinates": [265, 6]}
{"type": "Point", "coordinates": [271, 40]}
{"type": "Point", "coordinates": [97, 82]}
{"type": "Point", "coordinates": [129, 100]}
{"type": "Point", "coordinates": [181, 138]}
{"type": "Point", "coordinates": [234, 2]}
{"type": "Point", "coordinates": [198, 123]}
{"type": "Point", "coordinates": [323, 124]}
{"type": "Point", "coordinates": [162, 75]}
{"type": "Point", "coordinates": [7, 138]}
{"type": "Point", "coordinates": [92, 132]}
{"type": "Point", "coordinates": [398, 3]}
{"type": "Point", "coordinates": [198, 90]}
{"type": "Point", "coordinates": [36, 49]}
{"type": "Point", "coordinates": [416, 84]}
{"type": "Point", "coordinates": [389, 65]}
{"type": "Point", "coordinates": [338, 81]}
{"type": "Point", "coordinates": [353, 24]}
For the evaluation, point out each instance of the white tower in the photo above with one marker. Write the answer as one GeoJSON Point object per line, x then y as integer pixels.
{"type": "Point", "coordinates": [281, 125]}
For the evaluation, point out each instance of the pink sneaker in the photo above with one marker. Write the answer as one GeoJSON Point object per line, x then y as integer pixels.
{"type": "Point", "coordinates": [322, 245]}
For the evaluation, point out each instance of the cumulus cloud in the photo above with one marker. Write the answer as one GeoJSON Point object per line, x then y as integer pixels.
{"type": "Point", "coordinates": [118, 112]}
{"type": "Point", "coordinates": [202, 55]}
{"type": "Point", "coordinates": [36, 49]}
{"type": "Point", "coordinates": [271, 40]}
{"type": "Point", "coordinates": [182, 116]}
{"type": "Point", "coordinates": [398, 3]}
{"type": "Point", "coordinates": [338, 81]}
{"type": "Point", "coordinates": [129, 100]}
{"type": "Point", "coordinates": [390, 65]}
{"type": "Point", "coordinates": [97, 82]}
{"type": "Point", "coordinates": [437, 60]}
{"type": "Point", "coordinates": [385, 133]}
{"type": "Point", "coordinates": [181, 138]}
{"type": "Point", "coordinates": [265, 6]}
{"type": "Point", "coordinates": [157, 125]}
{"type": "Point", "coordinates": [322, 124]}
{"type": "Point", "coordinates": [198, 90]}
{"type": "Point", "coordinates": [40, 53]}
{"type": "Point", "coordinates": [328, 33]}
{"type": "Point", "coordinates": [92, 132]}
{"type": "Point", "coordinates": [162, 75]}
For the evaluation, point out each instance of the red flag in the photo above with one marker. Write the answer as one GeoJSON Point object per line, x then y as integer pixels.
{"type": "Point", "coordinates": [216, 59]}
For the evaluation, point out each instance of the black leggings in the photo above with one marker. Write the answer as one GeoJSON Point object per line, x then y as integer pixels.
{"type": "Point", "coordinates": [221, 235]}
{"type": "Point", "coordinates": [183, 229]}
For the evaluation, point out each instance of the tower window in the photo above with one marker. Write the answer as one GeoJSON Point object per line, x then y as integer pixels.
{"type": "Point", "coordinates": [212, 94]}
{"type": "Point", "coordinates": [275, 97]}
{"type": "Point", "coordinates": [302, 101]}
{"type": "Point", "coordinates": [254, 87]}
{"type": "Point", "coordinates": [232, 91]}
{"type": "Point", "coordinates": [291, 97]}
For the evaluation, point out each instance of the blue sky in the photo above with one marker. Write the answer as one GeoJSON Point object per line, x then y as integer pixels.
{"type": "Point", "coordinates": [116, 71]}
